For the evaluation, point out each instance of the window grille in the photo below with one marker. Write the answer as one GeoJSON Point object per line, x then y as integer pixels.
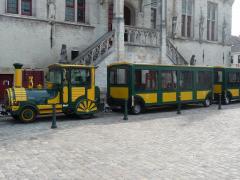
{"type": "Point", "coordinates": [12, 6]}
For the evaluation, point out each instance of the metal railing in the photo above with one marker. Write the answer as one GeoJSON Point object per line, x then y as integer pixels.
{"type": "Point", "coordinates": [174, 55]}
{"type": "Point", "coordinates": [95, 53]}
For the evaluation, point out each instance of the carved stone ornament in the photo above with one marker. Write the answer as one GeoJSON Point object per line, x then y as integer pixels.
{"type": "Point", "coordinates": [224, 31]}
{"type": "Point", "coordinates": [174, 26]}
{"type": "Point", "coordinates": [63, 54]}
{"type": "Point", "coordinates": [201, 27]}
{"type": "Point", "coordinates": [51, 9]}
{"type": "Point", "coordinates": [101, 2]}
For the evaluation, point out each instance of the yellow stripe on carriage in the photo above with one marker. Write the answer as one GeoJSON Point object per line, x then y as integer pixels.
{"type": "Point", "coordinates": [48, 106]}
{"type": "Point", "coordinates": [186, 96]}
{"type": "Point", "coordinates": [217, 88]}
{"type": "Point", "coordinates": [169, 97]}
{"type": "Point", "coordinates": [119, 92]}
{"type": "Point", "coordinates": [149, 98]}
{"type": "Point", "coordinates": [201, 95]}
{"type": "Point", "coordinates": [234, 92]}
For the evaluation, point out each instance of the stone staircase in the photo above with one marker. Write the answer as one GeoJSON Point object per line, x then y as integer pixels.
{"type": "Point", "coordinates": [174, 55]}
{"type": "Point", "coordinates": [98, 51]}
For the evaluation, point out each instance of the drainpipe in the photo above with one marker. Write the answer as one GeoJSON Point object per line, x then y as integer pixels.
{"type": "Point", "coordinates": [18, 75]}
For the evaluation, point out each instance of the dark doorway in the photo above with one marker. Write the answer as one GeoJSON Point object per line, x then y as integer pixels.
{"type": "Point", "coordinates": [110, 17]}
{"type": "Point", "coordinates": [6, 81]}
{"type": "Point", "coordinates": [127, 16]}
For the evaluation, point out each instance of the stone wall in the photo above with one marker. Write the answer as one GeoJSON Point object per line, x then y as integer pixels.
{"type": "Point", "coordinates": [28, 40]}
{"type": "Point", "coordinates": [136, 54]}
{"type": "Point", "coordinates": [214, 50]}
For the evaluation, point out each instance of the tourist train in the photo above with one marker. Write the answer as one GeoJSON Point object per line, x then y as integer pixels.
{"type": "Point", "coordinates": [72, 90]}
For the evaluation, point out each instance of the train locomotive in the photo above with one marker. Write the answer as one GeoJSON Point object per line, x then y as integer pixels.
{"type": "Point", "coordinates": [71, 88]}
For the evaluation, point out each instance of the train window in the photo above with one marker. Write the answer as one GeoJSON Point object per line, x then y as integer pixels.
{"type": "Point", "coordinates": [233, 77]}
{"type": "Point", "coordinates": [55, 76]}
{"type": "Point", "coordinates": [204, 80]}
{"type": "Point", "coordinates": [219, 77]}
{"type": "Point", "coordinates": [118, 76]}
{"type": "Point", "coordinates": [146, 80]}
{"type": "Point", "coordinates": [186, 80]}
{"type": "Point", "coordinates": [81, 77]}
{"type": "Point", "coordinates": [169, 80]}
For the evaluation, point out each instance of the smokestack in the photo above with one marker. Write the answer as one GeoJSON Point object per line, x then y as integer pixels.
{"type": "Point", "coordinates": [18, 75]}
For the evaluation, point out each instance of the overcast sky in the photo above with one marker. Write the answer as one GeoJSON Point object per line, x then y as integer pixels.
{"type": "Point", "coordinates": [236, 18]}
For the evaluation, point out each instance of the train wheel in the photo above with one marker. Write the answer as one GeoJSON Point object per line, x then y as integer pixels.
{"type": "Point", "coordinates": [227, 100]}
{"type": "Point", "coordinates": [207, 102]}
{"type": "Point", "coordinates": [27, 115]}
{"type": "Point", "coordinates": [137, 108]}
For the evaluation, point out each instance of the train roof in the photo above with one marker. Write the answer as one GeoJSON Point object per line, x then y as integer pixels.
{"type": "Point", "coordinates": [70, 66]}
{"type": "Point", "coordinates": [148, 64]}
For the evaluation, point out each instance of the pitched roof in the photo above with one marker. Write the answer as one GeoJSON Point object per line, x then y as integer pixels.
{"type": "Point", "coordinates": [235, 41]}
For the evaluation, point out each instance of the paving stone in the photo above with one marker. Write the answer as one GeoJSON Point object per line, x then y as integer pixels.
{"type": "Point", "coordinates": [202, 143]}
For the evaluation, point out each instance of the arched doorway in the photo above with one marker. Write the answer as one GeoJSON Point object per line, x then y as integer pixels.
{"type": "Point", "coordinates": [127, 16]}
{"type": "Point", "coordinates": [129, 13]}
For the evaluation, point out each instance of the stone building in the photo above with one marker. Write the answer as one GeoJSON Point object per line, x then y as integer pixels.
{"type": "Point", "coordinates": [235, 59]}
{"type": "Point", "coordinates": [103, 31]}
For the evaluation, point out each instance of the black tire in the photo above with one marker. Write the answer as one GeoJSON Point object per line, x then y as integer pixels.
{"type": "Point", "coordinates": [138, 108]}
{"type": "Point", "coordinates": [27, 115]}
{"type": "Point", "coordinates": [207, 102]}
{"type": "Point", "coordinates": [227, 100]}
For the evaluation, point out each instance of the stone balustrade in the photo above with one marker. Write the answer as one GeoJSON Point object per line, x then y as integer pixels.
{"type": "Point", "coordinates": [141, 36]}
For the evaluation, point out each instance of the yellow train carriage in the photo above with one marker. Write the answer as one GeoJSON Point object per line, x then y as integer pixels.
{"type": "Point", "coordinates": [70, 87]}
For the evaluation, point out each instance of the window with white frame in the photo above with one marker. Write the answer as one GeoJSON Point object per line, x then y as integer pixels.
{"type": "Point", "coordinates": [23, 7]}
{"type": "Point", "coordinates": [212, 21]}
{"type": "Point", "coordinates": [153, 13]}
{"type": "Point", "coordinates": [75, 10]}
{"type": "Point", "coordinates": [187, 18]}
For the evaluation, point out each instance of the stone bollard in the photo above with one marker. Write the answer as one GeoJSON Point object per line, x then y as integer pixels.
{"type": "Point", "coordinates": [125, 110]}
{"type": "Point", "coordinates": [54, 121]}
{"type": "Point", "coordinates": [220, 102]}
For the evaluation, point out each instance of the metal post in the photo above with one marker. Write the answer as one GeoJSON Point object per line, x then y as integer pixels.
{"type": "Point", "coordinates": [54, 122]}
{"type": "Point", "coordinates": [220, 102]}
{"type": "Point", "coordinates": [179, 104]}
{"type": "Point", "coordinates": [125, 110]}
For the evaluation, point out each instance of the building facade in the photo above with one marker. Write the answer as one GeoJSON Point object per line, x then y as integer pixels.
{"type": "Point", "coordinates": [235, 59]}
{"type": "Point", "coordinates": [38, 33]}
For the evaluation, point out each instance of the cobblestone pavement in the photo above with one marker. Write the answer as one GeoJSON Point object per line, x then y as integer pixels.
{"type": "Point", "coordinates": [202, 143]}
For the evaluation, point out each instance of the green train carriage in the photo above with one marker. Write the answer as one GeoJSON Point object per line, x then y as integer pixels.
{"type": "Point", "coordinates": [227, 84]}
{"type": "Point", "coordinates": [146, 85]}
{"type": "Point", "coordinates": [70, 87]}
